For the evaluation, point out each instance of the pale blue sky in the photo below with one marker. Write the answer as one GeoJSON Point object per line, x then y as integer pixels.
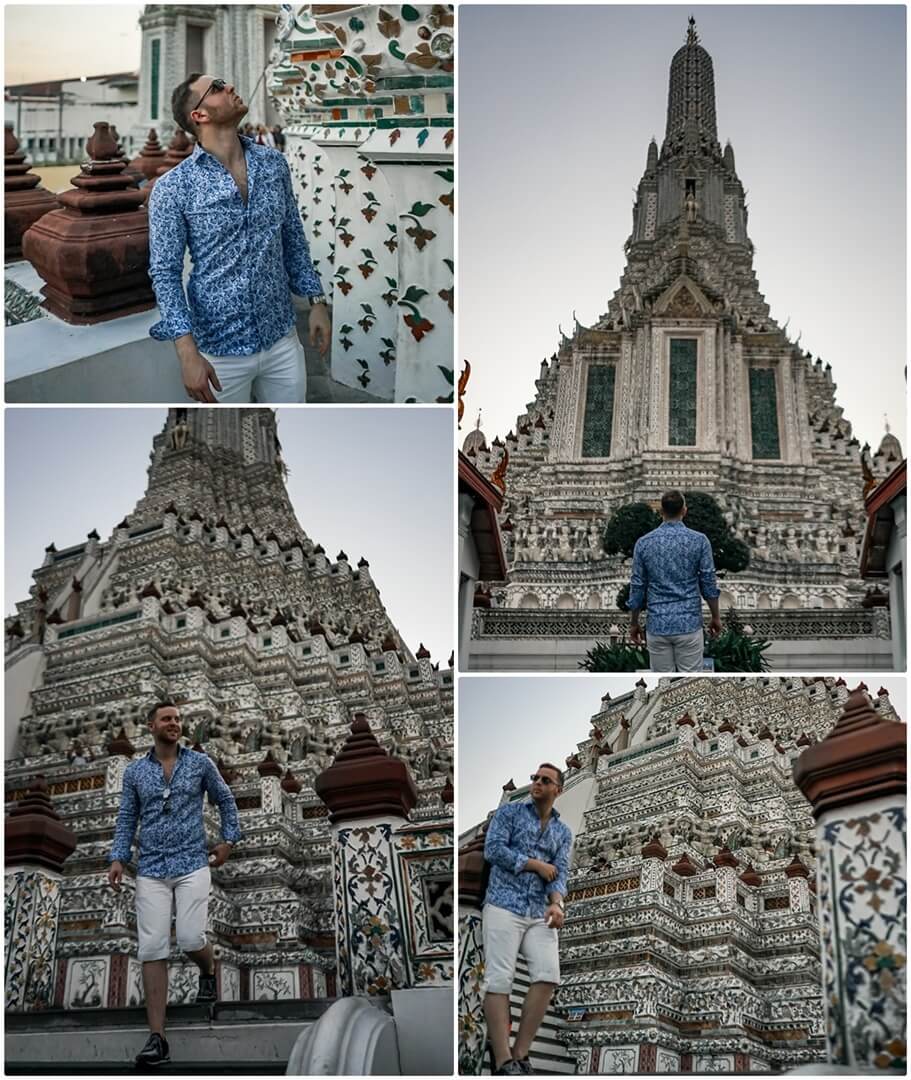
{"type": "Point", "coordinates": [556, 109]}
{"type": "Point", "coordinates": [508, 725]}
{"type": "Point", "coordinates": [370, 481]}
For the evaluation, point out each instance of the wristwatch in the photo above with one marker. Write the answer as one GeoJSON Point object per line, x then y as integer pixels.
{"type": "Point", "coordinates": [320, 298]}
{"type": "Point", "coordinates": [560, 904]}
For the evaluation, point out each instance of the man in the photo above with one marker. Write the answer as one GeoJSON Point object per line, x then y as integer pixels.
{"type": "Point", "coordinates": [528, 848]}
{"type": "Point", "coordinates": [231, 202]}
{"type": "Point", "coordinates": [672, 570]}
{"type": "Point", "coordinates": [163, 793]}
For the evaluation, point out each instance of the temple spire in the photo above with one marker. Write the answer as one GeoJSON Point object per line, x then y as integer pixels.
{"type": "Point", "coordinates": [691, 94]}
{"type": "Point", "coordinates": [692, 38]}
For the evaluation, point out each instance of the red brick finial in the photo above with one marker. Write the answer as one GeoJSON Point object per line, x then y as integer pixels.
{"type": "Point", "coordinates": [862, 758]}
{"type": "Point", "coordinates": [150, 158]}
{"type": "Point", "coordinates": [34, 832]}
{"type": "Point", "coordinates": [290, 783]}
{"type": "Point", "coordinates": [179, 148]}
{"type": "Point", "coordinates": [422, 653]}
{"type": "Point", "coordinates": [654, 849]}
{"type": "Point", "coordinates": [750, 876]}
{"type": "Point", "coordinates": [269, 766]}
{"type": "Point", "coordinates": [121, 745]}
{"type": "Point", "coordinates": [447, 795]}
{"type": "Point", "coordinates": [686, 721]}
{"type": "Point", "coordinates": [725, 857]}
{"type": "Point", "coordinates": [25, 200]}
{"type": "Point", "coordinates": [796, 868]}
{"type": "Point", "coordinates": [684, 866]}
{"type": "Point", "coordinates": [365, 781]}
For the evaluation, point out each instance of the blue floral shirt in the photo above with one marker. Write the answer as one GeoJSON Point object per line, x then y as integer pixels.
{"type": "Point", "coordinates": [513, 837]}
{"type": "Point", "coordinates": [247, 257]}
{"type": "Point", "coordinates": [672, 570]}
{"type": "Point", "coordinates": [171, 843]}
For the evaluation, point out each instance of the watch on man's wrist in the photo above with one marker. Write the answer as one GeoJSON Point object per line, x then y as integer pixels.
{"type": "Point", "coordinates": [320, 298]}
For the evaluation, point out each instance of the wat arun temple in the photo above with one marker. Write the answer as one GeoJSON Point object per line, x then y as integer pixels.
{"type": "Point", "coordinates": [286, 668]}
{"type": "Point", "coordinates": [686, 381]}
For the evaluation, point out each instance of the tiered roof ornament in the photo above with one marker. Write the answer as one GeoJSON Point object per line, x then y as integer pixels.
{"type": "Point", "coordinates": [150, 159]}
{"type": "Point", "coordinates": [25, 200]}
{"type": "Point", "coordinates": [93, 253]}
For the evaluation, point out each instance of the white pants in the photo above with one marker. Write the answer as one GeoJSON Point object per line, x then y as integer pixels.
{"type": "Point", "coordinates": [271, 376]}
{"type": "Point", "coordinates": [675, 652]}
{"type": "Point", "coordinates": [505, 936]}
{"type": "Point", "coordinates": [155, 898]}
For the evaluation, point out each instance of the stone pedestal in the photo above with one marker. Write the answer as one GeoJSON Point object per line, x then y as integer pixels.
{"type": "Point", "coordinates": [25, 200]}
{"type": "Point", "coordinates": [94, 252]}
{"type": "Point", "coordinates": [37, 845]}
{"type": "Point", "coordinates": [150, 159]}
{"type": "Point", "coordinates": [855, 780]}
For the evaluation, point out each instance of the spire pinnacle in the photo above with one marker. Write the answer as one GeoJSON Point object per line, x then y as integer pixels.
{"type": "Point", "coordinates": [692, 38]}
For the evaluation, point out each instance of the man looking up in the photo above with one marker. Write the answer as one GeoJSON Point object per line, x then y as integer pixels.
{"type": "Point", "coordinates": [672, 570]}
{"type": "Point", "coordinates": [163, 793]}
{"type": "Point", "coordinates": [232, 203]}
{"type": "Point", "coordinates": [528, 848]}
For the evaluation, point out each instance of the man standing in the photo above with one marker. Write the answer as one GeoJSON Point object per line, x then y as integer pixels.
{"type": "Point", "coordinates": [672, 570]}
{"type": "Point", "coordinates": [163, 793]}
{"type": "Point", "coordinates": [232, 203]}
{"type": "Point", "coordinates": [528, 848]}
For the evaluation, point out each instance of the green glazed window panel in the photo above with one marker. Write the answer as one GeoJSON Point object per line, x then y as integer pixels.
{"type": "Point", "coordinates": [764, 414]}
{"type": "Point", "coordinates": [156, 66]}
{"type": "Point", "coordinates": [682, 393]}
{"type": "Point", "coordinates": [599, 411]}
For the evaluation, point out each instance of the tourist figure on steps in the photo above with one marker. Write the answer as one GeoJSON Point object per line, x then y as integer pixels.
{"type": "Point", "coordinates": [163, 794]}
{"type": "Point", "coordinates": [672, 571]}
{"type": "Point", "coordinates": [528, 848]}
{"type": "Point", "coordinates": [232, 204]}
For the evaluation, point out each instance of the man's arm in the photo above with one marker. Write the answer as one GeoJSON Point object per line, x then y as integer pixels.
{"type": "Point", "coordinates": [558, 887]}
{"type": "Point", "coordinates": [498, 847]}
{"type": "Point", "coordinates": [220, 794]}
{"type": "Point", "coordinates": [708, 586]}
{"type": "Point", "coordinates": [127, 820]}
{"type": "Point", "coordinates": [167, 245]}
{"type": "Point", "coordinates": [302, 276]}
{"type": "Point", "coordinates": [638, 586]}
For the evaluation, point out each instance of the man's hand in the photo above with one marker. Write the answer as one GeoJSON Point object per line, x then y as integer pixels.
{"type": "Point", "coordinates": [219, 855]}
{"type": "Point", "coordinates": [714, 627]}
{"type": "Point", "coordinates": [197, 374]}
{"type": "Point", "coordinates": [115, 875]}
{"type": "Point", "coordinates": [320, 328]}
{"type": "Point", "coordinates": [635, 634]}
{"type": "Point", "coordinates": [554, 916]}
{"type": "Point", "coordinates": [543, 869]}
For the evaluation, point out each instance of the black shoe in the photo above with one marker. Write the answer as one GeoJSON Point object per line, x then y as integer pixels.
{"type": "Point", "coordinates": [206, 994]}
{"type": "Point", "coordinates": [509, 1068]}
{"type": "Point", "coordinates": [154, 1053]}
{"type": "Point", "coordinates": [525, 1065]}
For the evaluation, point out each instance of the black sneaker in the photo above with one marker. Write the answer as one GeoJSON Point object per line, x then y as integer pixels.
{"type": "Point", "coordinates": [509, 1068]}
{"type": "Point", "coordinates": [525, 1065]}
{"type": "Point", "coordinates": [154, 1053]}
{"type": "Point", "coordinates": [206, 994]}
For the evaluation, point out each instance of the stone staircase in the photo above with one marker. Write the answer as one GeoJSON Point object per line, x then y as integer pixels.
{"type": "Point", "coordinates": [230, 1038]}
{"type": "Point", "coordinates": [548, 1056]}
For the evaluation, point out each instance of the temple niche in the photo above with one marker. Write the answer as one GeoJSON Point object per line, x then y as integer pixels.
{"type": "Point", "coordinates": [687, 380]}
{"type": "Point", "coordinates": [210, 592]}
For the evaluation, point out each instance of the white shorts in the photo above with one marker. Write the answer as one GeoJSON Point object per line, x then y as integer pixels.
{"type": "Point", "coordinates": [272, 376]}
{"type": "Point", "coordinates": [505, 936]}
{"type": "Point", "coordinates": [155, 898]}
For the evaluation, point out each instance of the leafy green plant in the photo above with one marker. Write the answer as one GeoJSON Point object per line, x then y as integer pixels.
{"type": "Point", "coordinates": [622, 656]}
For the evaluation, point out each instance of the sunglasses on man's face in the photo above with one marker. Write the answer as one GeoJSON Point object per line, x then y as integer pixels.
{"type": "Point", "coordinates": [536, 778]}
{"type": "Point", "coordinates": [165, 801]}
{"type": "Point", "coordinates": [216, 85]}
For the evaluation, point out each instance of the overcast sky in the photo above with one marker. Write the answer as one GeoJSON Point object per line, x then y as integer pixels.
{"type": "Point", "coordinates": [509, 725]}
{"type": "Point", "coordinates": [556, 109]}
{"type": "Point", "coordinates": [65, 41]}
{"type": "Point", "coordinates": [372, 481]}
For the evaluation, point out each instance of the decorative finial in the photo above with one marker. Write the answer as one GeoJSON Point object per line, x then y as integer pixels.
{"type": "Point", "coordinates": [692, 38]}
{"type": "Point", "coordinates": [886, 422]}
{"type": "Point", "coordinates": [477, 426]}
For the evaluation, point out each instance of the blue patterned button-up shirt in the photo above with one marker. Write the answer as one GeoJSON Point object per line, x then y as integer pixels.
{"type": "Point", "coordinates": [171, 843]}
{"type": "Point", "coordinates": [247, 257]}
{"type": "Point", "coordinates": [513, 837]}
{"type": "Point", "coordinates": [672, 570]}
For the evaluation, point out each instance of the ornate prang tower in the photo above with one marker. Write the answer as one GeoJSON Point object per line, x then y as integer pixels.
{"type": "Point", "coordinates": [686, 381]}
{"type": "Point", "coordinates": [211, 593]}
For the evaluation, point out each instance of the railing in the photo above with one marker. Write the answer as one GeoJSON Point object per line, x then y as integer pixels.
{"type": "Point", "coordinates": [773, 625]}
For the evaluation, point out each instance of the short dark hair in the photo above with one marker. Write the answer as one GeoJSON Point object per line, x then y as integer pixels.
{"type": "Point", "coordinates": [180, 103]}
{"type": "Point", "coordinates": [150, 715]}
{"type": "Point", "coordinates": [672, 502]}
{"type": "Point", "coordinates": [559, 772]}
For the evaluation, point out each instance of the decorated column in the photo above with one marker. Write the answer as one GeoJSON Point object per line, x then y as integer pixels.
{"type": "Point", "coordinates": [369, 795]}
{"type": "Point", "coordinates": [855, 780]}
{"type": "Point", "coordinates": [37, 845]}
{"type": "Point", "coordinates": [472, 1024]}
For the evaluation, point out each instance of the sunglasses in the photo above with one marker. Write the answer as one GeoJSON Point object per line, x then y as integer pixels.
{"type": "Point", "coordinates": [537, 778]}
{"type": "Point", "coordinates": [165, 803]}
{"type": "Point", "coordinates": [215, 84]}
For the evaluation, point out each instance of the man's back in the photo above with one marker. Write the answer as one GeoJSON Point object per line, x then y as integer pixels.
{"type": "Point", "coordinates": [672, 570]}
